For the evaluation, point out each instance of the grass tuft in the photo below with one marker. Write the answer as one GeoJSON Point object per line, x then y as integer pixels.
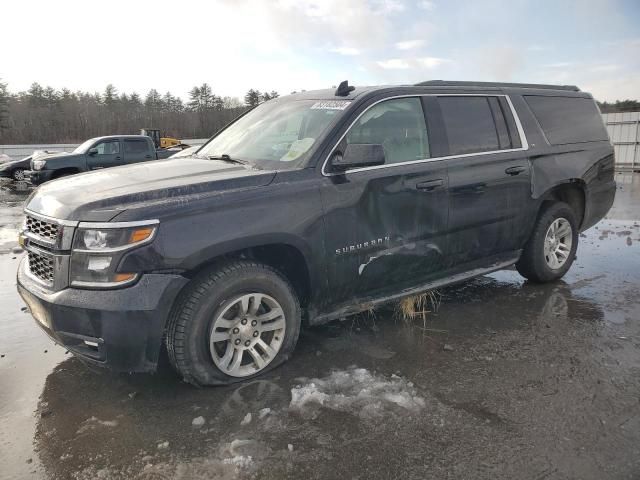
{"type": "Point", "coordinates": [417, 307]}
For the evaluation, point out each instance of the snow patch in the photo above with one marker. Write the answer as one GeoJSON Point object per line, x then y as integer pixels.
{"type": "Point", "coordinates": [356, 391]}
{"type": "Point", "coordinates": [198, 421]}
{"type": "Point", "coordinates": [246, 420]}
{"type": "Point", "coordinates": [93, 422]}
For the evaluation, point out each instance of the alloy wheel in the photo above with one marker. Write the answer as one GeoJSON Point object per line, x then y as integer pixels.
{"type": "Point", "coordinates": [247, 334]}
{"type": "Point", "coordinates": [557, 243]}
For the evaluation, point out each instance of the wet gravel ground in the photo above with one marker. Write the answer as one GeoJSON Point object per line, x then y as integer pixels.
{"type": "Point", "coordinates": [505, 380]}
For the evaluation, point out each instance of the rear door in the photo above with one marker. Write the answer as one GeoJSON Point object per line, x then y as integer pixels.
{"type": "Point", "coordinates": [137, 150]}
{"type": "Point", "coordinates": [489, 177]}
{"type": "Point", "coordinates": [109, 154]}
{"type": "Point", "coordinates": [385, 225]}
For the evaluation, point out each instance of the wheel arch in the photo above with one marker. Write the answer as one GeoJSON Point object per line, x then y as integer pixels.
{"type": "Point", "coordinates": [571, 192]}
{"type": "Point", "coordinates": [287, 254]}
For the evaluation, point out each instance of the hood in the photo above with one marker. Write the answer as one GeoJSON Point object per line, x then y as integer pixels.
{"type": "Point", "coordinates": [101, 195]}
{"type": "Point", "coordinates": [25, 162]}
{"type": "Point", "coordinates": [41, 154]}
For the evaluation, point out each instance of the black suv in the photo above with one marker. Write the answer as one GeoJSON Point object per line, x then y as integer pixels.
{"type": "Point", "coordinates": [310, 208]}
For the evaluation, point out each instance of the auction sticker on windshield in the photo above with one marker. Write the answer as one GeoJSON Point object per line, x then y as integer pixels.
{"type": "Point", "coordinates": [331, 105]}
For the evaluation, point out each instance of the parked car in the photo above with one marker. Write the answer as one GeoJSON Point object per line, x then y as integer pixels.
{"type": "Point", "coordinates": [309, 208]}
{"type": "Point", "coordinates": [94, 154]}
{"type": "Point", "coordinates": [16, 169]}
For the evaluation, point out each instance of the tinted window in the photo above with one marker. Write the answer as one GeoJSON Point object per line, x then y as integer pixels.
{"type": "Point", "coordinates": [135, 146]}
{"type": "Point", "coordinates": [398, 125]}
{"type": "Point", "coordinates": [568, 119]}
{"type": "Point", "coordinates": [469, 124]}
{"type": "Point", "coordinates": [108, 148]}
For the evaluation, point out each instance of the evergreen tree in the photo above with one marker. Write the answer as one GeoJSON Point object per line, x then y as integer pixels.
{"type": "Point", "coordinates": [252, 98]}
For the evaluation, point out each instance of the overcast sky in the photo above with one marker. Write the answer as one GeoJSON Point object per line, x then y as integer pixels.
{"type": "Point", "coordinates": [288, 45]}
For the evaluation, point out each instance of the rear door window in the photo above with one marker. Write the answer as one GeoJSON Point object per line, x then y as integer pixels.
{"type": "Point", "coordinates": [398, 125]}
{"type": "Point", "coordinates": [469, 123]}
{"type": "Point", "coordinates": [135, 146]}
{"type": "Point", "coordinates": [567, 119]}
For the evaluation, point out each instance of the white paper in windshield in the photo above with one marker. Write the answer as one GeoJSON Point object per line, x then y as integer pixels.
{"type": "Point", "coordinates": [331, 105]}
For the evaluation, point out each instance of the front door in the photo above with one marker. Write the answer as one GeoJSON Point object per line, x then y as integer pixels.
{"type": "Point", "coordinates": [385, 225]}
{"type": "Point", "coordinates": [489, 181]}
{"type": "Point", "coordinates": [107, 153]}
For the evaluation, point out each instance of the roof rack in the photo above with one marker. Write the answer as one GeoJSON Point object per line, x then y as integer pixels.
{"type": "Point", "coordinates": [445, 83]}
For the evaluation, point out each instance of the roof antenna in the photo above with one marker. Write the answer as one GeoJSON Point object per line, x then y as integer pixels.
{"type": "Point", "coordinates": [344, 89]}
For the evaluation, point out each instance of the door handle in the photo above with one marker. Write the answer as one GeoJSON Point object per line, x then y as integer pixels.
{"type": "Point", "coordinates": [429, 185]}
{"type": "Point", "coordinates": [515, 170]}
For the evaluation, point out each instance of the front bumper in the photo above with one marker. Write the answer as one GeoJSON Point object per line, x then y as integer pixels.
{"type": "Point", "coordinates": [36, 177]}
{"type": "Point", "coordinates": [120, 329]}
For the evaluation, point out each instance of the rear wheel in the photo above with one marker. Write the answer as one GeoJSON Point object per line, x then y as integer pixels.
{"type": "Point", "coordinates": [551, 249]}
{"type": "Point", "coordinates": [233, 323]}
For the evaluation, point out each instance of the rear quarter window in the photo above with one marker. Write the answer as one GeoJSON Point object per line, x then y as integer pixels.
{"type": "Point", "coordinates": [567, 119]}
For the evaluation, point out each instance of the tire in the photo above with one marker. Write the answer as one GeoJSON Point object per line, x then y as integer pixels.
{"type": "Point", "coordinates": [539, 265]}
{"type": "Point", "coordinates": [215, 314]}
{"type": "Point", "coordinates": [18, 175]}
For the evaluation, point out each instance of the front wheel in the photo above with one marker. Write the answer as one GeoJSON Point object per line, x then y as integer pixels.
{"type": "Point", "coordinates": [233, 323]}
{"type": "Point", "coordinates": [551, 249]}
{"type": "Point", "coordinates": [18, 175]}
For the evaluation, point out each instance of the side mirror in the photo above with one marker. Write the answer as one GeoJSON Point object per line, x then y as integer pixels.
{"type": "Point", "coordinates": [358, 155]}
{"type": "Point", "coordinates": [93, 151]}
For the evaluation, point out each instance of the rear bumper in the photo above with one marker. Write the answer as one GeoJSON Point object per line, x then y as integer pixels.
{"type": "Point", "coordinates": [598, 201]}
{"type": "Point", "coordinates": [37, 177]}
{"type": "Point", "coordinates": [120, 329]}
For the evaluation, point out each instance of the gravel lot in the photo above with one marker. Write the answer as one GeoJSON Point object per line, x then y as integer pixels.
{"type": "Point", "coordinates": [505, 380]}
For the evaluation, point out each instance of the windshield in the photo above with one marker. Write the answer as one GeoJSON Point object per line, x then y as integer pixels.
{"type": "Point", "coordinates": [278, 134]}
{"type": "Point", "coordinates": [82, 148]}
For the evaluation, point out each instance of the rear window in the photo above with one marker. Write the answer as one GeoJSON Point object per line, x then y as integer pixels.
{"type": "Point", "coordinates": [568, 119]}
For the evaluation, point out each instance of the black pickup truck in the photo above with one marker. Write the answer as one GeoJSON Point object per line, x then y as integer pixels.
{"type": "Point", "coordinates": [95, 154]}
{"type": "Point", "coordinates": [309, 208]}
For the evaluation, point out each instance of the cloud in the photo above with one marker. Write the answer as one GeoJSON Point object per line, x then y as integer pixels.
{"type": "Point", "coordinates": [393, 64]}
{"type": "Point", "coordinates": [348, 51]}
{"type": "Point", "coordinates": [412, 63]}
{"type": "Point", "coordinates": [557, 65]}
{"type": "Point", "coordinates": [409, 44]}
{"type": "Point", "coordinates": [426, 5]}
{"type": "Point", "coordinates": [432, 62]}
{"type": "Point", "coordinates": [606, 68]}
{"type": "Point", "coordinates": [389, 6]}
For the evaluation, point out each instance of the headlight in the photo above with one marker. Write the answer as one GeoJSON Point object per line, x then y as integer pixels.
{"type": "Point", "coordinates": [98, 249]}
{"type": "Point", "coordinates": [38, 164]}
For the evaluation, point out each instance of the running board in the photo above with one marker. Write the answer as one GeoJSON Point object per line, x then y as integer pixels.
{"type": "Point", "coordinates": [362, 305]}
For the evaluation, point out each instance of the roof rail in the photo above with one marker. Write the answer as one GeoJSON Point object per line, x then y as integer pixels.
{"type": "Point", "coordinates": [445, 83]}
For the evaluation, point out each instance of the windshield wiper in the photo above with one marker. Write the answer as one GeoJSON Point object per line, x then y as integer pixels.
{"type": "Point", "coordinates": [226, 158]}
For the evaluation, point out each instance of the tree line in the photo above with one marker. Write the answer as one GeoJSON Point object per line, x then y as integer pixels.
{"type": "Point", "coordinates": [46, 115]}
{"type": "Point", "coordinates": [620, 106]}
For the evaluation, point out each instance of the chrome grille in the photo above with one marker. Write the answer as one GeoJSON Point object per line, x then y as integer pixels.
{"type": "Point", "coordinates": [46, 230]}
{"type": "Point", "coordinates": [41, 266]}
